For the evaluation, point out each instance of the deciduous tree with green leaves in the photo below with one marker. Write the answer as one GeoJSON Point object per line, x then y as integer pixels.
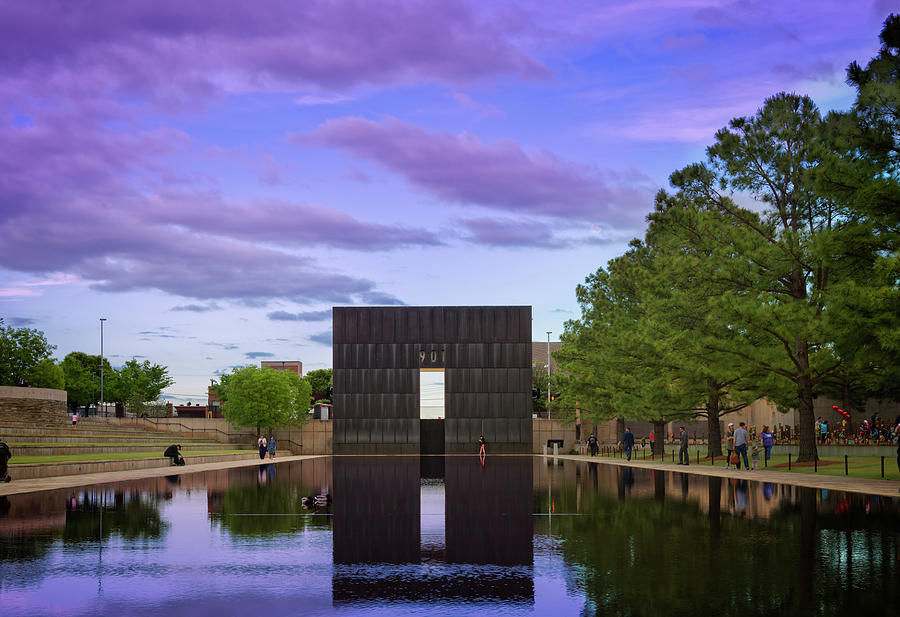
{"type": "Point", "coordinates": [611, 368]}
{"type": "Point", "coordinates": [21, 349]}
{"type": "Point", "coordinates": [138, 383]}
{"type": "Point", "coordinates": [47, 374]}
{"type": "Point", "coordinates": [320, 380]}
{"type": "Point", "coordinates": [265, 398]}
{"type": "Point", "coordinates": [82, 373]}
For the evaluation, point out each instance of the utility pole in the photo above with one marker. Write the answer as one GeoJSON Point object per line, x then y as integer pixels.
{"type": "Point", "coordinates": [548, 373]}
{"type": "Point", "coordinates": [102, 319]}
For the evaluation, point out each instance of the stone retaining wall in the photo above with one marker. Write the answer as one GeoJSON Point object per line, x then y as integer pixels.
{"type": "Point", "coordinates": [544, 429]}
{"type": "Point", "coordinates": [47, 470]}
{"type": "Point", "coordinates": [43, 405]}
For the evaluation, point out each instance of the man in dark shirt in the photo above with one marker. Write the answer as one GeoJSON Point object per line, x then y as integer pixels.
{"type": "Point", "coordinates": [683, 458]}
{"type": "Point", "coordinates": [174, 452]}
{"type": "Point", "coordinates": [628, 443]}
{"type": "Point", "coordinates": [5, 455]}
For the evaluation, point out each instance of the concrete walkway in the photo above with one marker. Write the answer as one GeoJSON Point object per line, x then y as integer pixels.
{"type": "Point", "coordinates": [56, 482]}
{"type": "Point", "coordinates": [885, 488]}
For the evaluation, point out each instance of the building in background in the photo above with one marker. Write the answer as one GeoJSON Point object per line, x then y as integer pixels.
{"type": "Point", "coordinates": [295, 366]}
{"type": "Point", "coordinates": [214, 407]}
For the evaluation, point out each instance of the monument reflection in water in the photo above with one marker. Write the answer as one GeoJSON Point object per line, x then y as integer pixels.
{"type": "Point", "coordinates": [448, 536]}
{"type": "Point", "coordinates": [432, 516]}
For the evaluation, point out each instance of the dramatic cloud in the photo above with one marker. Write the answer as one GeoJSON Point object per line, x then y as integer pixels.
{"type": "Point", "coordinates": [306, 316]}
{"type": "Point", "coordinates": [176, 52]}
{"type": "Point", "coordinates": [463, 169]}
{"type": "Point", "coordinates": [322, 338]}
{"type": "Point", "coordinates": [63, 181]}
{"type": "Point", "coordinates": [283, 223]}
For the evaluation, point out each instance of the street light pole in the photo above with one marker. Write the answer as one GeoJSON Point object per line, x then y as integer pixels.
{"type": "Point", "coordinates": [548, 373]}
{"type": "Point", "coordinates": [102, 319]}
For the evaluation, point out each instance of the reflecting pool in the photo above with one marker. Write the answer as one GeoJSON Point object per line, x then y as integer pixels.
{"type": "Point", "coordinates": [447, 536]}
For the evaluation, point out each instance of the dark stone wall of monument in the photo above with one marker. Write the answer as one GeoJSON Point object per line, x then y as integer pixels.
{"type": "Point", "coordinates": [486, 356]}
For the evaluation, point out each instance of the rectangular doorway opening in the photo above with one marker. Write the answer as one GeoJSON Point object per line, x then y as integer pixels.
{"type": "Point", "coordinates": [431, 411]}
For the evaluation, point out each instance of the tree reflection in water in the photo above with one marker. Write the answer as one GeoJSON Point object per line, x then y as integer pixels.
{"type": "Point", "coordinates": [686, 545]}
{"type": "Point", "coordinates": [266, 501]}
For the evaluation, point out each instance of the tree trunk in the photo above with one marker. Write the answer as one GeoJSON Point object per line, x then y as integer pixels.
{"type": "Point", "coordinates": [620, 429]}
{"type": "Point", "coordinates": [714, 448]}
{"type": "Point", "coordinates": [659, 484]}
{"type": "Point", "coordinates": [805, 406]}
{"type": "Point", "coordinates": [659, 432]}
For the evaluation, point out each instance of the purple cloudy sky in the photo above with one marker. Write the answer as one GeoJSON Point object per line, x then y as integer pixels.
{"type": "Point", "coordinates": [213, 177]}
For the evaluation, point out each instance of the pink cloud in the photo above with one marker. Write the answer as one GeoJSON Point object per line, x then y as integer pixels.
{"type": "Point", "coordinates": [463, 169]}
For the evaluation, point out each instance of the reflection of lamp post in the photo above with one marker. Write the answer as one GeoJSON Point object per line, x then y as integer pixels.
{"type": "Point", "coordinates": [102, 319]}
{"type": "Point", "coordinates": [548, 373]}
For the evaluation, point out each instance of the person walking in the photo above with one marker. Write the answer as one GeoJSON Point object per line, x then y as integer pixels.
{"type": "Point", "coordinates": [768, 440]}
{"type": "Point", "coordinates": [592, 444]}
{"type": "Point", "coordinates": [652, 439]}
{"type": "Point", "coordinates": [628, 443]}
{"type": "Point", "coordinates": [741, 437]}
{"type": "Point", "coordinates": [683, 457]}
{"type": "Point", "coordinates": [481, 450]}
{"type": "Point", "coordinates": [729, 444]}
{"type": "Point", "coordinates": [272, 445]}
{"type": "Point", "coordinates": [262, 445]}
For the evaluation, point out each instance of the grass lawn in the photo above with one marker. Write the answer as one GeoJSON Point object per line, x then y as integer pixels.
{"type": "Point", "coordinates": [118, 456]}
{"type": "Point", "coordinates": [859, 466]}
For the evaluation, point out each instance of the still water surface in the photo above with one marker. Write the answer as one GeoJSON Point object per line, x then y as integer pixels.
{"type": "Point", "coordinates": [447, 536]}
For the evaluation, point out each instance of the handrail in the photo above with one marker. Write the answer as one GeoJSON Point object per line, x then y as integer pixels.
{"type": "Point", "coordinates": [155, 422]}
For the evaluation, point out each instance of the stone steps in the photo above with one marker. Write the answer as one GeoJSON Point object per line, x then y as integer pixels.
{"type": "Point", "coordinates": [115, 448]}
{"type": "Point", "coordinates": [100, 438]}
{"type": "Point", "coordinates": [46, 470]}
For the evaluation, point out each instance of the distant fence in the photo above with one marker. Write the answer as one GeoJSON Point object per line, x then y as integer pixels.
{"type": "Point", "coordinates": [314, 437]}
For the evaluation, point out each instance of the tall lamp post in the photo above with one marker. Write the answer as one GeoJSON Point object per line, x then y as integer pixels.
{"type": "Point", "coordinates": [102, 319]}
{"type": "Point", "coordinates": [548, 373]}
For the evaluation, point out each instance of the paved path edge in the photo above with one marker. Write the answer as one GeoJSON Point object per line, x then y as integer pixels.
{"type": "Point", "coordinates": [31, 485]}
{"type": "Point", "coordinates": [886, 488]}
{"type": "Point", "coordinates": [868, 486]}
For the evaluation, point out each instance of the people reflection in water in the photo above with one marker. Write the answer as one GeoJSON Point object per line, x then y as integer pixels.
{"type": "Point", "coordinates": [740, 497]}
